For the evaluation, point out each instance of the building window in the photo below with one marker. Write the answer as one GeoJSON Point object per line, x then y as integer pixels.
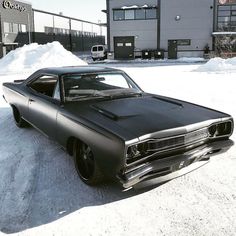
{"type": "Point", "coordinates": [23, 28]}
{"type": "Point", "coordinates": [224, 13]}
{"type": "Point", "coordinates": [129, 15]}
{"type": "Point", "coordinates": [119, 44]}
{"type": "Point", "coordinates": [140, 14]}
{"type": "Point", "coordinates": [128, 44]}
{"type": "Point", "coordinates": [224, 8]}
{"type": "Point", "coordinates": [184, 42]}
{"type": "Point", "coordinates": [226, 18]}
{"type": "Point", "coordinates": [15, 28]}
{"type": "Point", "coordinates": [135, 14]}
{"type": "Point", "coordinates": [119, 14]}
{"type": "Point", "coordinates": [151, 13]}
{"type": "Point", "coordinates": [6, 26]}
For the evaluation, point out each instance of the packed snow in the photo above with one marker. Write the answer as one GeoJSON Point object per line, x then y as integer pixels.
{"type": "Point", "coordinates": [129, 7]}
{"type": "Point", "coordinates": [218, 65]}
{"type": "Point", "coordinates": [41, 194]}
{"type": "Point", "coordinates": [191, 59]}
{"type": "Point", "coordinates": [135, 6]}
{"type": "Point", "coordinates": [35, 56]}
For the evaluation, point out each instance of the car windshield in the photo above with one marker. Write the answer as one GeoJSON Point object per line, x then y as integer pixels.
{"type": "Point", "coordinates": [90, 86]}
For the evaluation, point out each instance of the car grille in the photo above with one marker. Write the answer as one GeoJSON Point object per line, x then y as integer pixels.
{"type": "Point", "coordinates": [160, 144]}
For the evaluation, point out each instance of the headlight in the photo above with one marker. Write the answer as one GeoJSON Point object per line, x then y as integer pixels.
{"type": "Point", "coordinates": [221, 129]}
{"type": "Point", "coordinates": [137, 150]}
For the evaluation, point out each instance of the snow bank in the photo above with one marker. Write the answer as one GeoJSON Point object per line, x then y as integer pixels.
{"type": "Point", "coordinates": [129, 7]}
{"type": "Point", "coordinates": [34, 56]}
{"type": "Point", "coordinates": [135, 6]}
{"type": "Point", "coordinates": [218, 64]}
{"type": "Point", "coordinates": [191, 59]}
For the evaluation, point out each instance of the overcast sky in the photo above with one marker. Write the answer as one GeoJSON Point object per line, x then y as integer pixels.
{"type": "Point", "coordinates": [89, 10]}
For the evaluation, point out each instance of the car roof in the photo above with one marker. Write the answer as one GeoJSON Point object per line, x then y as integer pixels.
{"type": "Point", "coordinates": [76, 70]}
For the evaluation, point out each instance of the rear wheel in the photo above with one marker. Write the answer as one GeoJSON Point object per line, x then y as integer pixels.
{"type": "Point", "coordinates": [85, 164]}
{"type": "Point", "coordinates": [19, 121]}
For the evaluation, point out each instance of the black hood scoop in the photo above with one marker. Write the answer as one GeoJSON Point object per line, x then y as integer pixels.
{"type": "Point", "coordinates": [110, 114]}
{"type": "Point", "coordinates": [120, 109]}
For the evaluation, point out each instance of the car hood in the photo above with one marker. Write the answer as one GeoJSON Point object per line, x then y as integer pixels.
{"type": "Point", "coordinates": [133, 117]}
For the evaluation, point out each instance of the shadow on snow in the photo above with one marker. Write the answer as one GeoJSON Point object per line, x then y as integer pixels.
{"type": "Point", "coordinates": [38, 181]}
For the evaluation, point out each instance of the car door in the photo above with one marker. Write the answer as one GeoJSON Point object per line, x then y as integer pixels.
{"type": "Point", "coordinates": [44, 103]}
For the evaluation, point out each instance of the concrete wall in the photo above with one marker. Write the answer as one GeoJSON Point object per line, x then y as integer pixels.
{"type": "Point", "coordinates": [144, 31]}
{"type": "Point", "coordinates": [196, 23]}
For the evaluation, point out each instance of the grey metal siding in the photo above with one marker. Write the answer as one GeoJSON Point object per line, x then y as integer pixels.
{"type": "Point", "coordinates": [144, 31]}
{"type": "Point", "coordinates": [196, 23]}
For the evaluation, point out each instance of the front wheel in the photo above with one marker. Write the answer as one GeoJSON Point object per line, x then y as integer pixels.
{"type": "Point", "coordinates": [85, 164]}
{"type": "Point", "coordinates": [19, 121]}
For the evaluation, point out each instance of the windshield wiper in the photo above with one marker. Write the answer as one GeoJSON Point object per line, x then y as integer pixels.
{"type": "Point", "coordinates": [110, 94]}
{"type": "Point", "coordinates": [84, 96]}
{"type": "Point", "coordinates": [124, 95]}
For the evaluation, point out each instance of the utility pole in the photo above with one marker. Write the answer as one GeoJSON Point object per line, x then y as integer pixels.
{"type": "Point", "coordinates": [70, 36]}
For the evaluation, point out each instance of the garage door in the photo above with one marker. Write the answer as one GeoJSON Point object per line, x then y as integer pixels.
{"type": "Point", "coordinates": [124, 47]}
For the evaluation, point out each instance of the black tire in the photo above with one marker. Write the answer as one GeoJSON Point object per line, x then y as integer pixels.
{"type": "Point", "coordinates": [86, 165]}
{"type": "Point", "coordinates": [19, 121]}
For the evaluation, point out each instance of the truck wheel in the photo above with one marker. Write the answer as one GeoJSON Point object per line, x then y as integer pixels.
{"type": "Point", "coordinates": [86, 165]}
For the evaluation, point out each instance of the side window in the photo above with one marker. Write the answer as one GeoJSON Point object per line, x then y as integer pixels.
{"type": "Point", "coordinates": [45, 84]}
{"type": "Point", "coordinates": [100, 48]}
{"type": "Point", "coordinates": [95, 49]}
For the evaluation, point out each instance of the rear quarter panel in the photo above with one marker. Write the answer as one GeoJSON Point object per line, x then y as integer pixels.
{"type": "Point", "coordinates": [15, 95]}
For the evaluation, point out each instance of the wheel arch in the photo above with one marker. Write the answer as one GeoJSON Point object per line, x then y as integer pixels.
{"type": "Point", "coordinates": [70, 144]}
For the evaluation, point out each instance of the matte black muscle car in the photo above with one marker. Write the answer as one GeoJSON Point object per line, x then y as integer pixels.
{"type": "Point", "coordinates": [114, 129]}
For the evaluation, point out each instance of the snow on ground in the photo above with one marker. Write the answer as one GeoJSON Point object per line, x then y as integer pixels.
{"type": "Point", "coordinates": [40, 193]}
{"type": "Point", "coordinates": [35, 56]}
{"type": "Point", "coordinates": [218, 64]}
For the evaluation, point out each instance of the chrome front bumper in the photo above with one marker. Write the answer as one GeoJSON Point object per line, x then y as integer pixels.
{"type": "Point", "coordinates": [171, 167]}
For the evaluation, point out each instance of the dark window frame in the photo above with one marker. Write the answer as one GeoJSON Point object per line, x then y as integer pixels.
{"type": "Point", "coordinates": [150, 18]}
{"type": "Point", "coordinates": [129, 10]}
{"type": "Point", "coordinates": [135, 10]}
{"type": "Point", "coordinates": [135, 14]}
{"type": "Point", "coordinates": [47, 77]}
{"type": "Point", "coordinates": [183, 42]}
{"type": "Point", "coordinates": [123, 14]}
{"type": "Point", "coordinates": [226, 25]}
